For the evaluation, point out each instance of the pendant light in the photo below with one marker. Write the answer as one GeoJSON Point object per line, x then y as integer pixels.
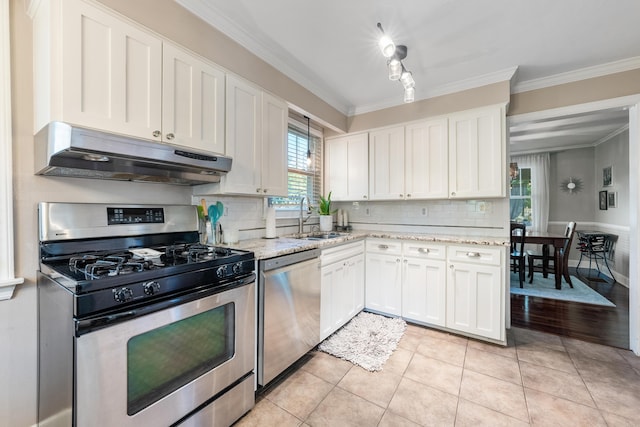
{"type": "Point", "coordinates": [308, 142]}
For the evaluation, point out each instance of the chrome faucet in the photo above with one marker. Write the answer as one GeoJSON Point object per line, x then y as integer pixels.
{"type": "Point", "coordinates": [301, 219]}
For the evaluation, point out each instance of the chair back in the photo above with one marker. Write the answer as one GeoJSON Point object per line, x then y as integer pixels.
{"type": "Point", "coordinates": [568, 232]}
{"type": "Point", "coordinates": [518, 231]}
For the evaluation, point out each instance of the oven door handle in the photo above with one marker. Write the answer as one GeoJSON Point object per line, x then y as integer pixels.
{"type": "Point", "coordinates": [91, 324]}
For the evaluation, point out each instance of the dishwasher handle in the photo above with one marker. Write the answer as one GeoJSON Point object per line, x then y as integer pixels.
{"type": "Point", "coordinates": [285, 260]}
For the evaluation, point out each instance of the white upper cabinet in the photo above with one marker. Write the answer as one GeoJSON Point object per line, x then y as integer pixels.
{"type": "Point", "coordinates": [256, 140]}
{"type": "Point", "coordinates": [409, 162]}
{"type": "Point", "coordinates": [275, 116]}
{"type": "Point", "coordinates": [477, 153]}
{"type": "Point", "coordinates": [426, 172]}
{"type": "Point", "coordinates": [95, 70]}
{"type": "Point", "coordinates": [347, 167]}
{"type": "Point", "coordinates": [193, 99]}
{"type": "Point", "coordinates": [386, 164]}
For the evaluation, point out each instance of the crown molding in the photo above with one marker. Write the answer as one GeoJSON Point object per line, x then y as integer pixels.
{"type": "Point", "coordinates": [263, 50]}
{"type": "Point", "coordinates": [446, 89]}
{"type": "Point", "coordinates": [577, 75]}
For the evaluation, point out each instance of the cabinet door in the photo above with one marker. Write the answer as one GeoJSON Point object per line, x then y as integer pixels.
{"type": "Point", "coordinates": [328, 276]}
{"type": "Point", "coordinates": [243, 131]}
{"type": "Point", "coordinates": [356, 271]}
{"type": "Point", "coordinates": [477, 159]}
{"type": "Point", "coordinates": [424, 290]}
{"type": "Point", "coordinates": [383, 291]}
{"type": "Point", "coordinates": [386, 164]}
{"type": "Point", "coordinates": [112, 73]}
{"type": "Point", "coordinates": [275, 115]}
{"type": "Point", "coordinates": [474, 299]}
{"type": "Point", "coordinates": [347, 167]}
{"type": "Point", "coordinates": [192, 101]}
{"type": "Point", "coordinates": [426, 160]}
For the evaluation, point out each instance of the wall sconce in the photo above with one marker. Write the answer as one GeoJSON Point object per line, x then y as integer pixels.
{"type": "Point", "coordinates": [395, 54]}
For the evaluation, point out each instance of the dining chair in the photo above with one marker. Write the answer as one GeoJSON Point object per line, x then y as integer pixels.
{"type": "Point", "coordinates": [548, 258]}
{"type": "Point", "coordinates": [518, 231]}
{"type": "Point", "coordinates": [596, 247]}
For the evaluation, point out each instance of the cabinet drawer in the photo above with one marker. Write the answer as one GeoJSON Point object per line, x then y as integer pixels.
{"type": "Point", "coordinates": [424, 250]}
{"type": "Point", "coordinates": [384, 246]}
{"type": "Point", "coordinates": [341, 252]}
{"type": "Point", "coordinates": [476, 254]}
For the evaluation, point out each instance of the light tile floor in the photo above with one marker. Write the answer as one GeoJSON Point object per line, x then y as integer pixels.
{"type": "Point", "coordinates": [439, 379]}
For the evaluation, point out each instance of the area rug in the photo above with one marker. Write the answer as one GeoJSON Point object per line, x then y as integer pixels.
{"type": "Point", "coordinates": [367, 340]}
{"type": "Point", "coordinates": [546, 288]}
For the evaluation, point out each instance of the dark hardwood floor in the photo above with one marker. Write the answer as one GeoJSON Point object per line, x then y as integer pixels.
{"type": "Point", "coordinates": [586, 322]}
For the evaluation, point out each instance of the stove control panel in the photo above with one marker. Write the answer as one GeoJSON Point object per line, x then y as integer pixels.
{"type": "Point", "coordinates": [124, 215]}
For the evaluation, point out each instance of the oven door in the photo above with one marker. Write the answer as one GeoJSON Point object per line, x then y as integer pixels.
{"type": "Point", "coordinates": [158, 368]}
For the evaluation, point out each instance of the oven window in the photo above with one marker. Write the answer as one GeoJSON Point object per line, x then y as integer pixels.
{"type": "Point", "coordinates": [164, 359]}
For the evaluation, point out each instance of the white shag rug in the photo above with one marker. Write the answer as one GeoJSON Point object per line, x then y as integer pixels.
{"type": "Point", "coordinates": [367, 340]}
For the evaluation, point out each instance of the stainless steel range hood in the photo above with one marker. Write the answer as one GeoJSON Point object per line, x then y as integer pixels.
{"type": "Point", "coordinates": [71, 151]}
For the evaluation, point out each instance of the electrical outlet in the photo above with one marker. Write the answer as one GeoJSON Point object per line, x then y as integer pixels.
{"type": "Point", "coordinates": [366, 211]}
{"type": "Point", "coordinates": [226, 211]}
{"type": "Point", "coordinates": [481, 206]}
{"type": "Point", "coordinates": [423, 211]}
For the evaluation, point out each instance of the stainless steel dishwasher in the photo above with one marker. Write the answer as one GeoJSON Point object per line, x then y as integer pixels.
{"type": "Point", "coordinates": [288, 311]}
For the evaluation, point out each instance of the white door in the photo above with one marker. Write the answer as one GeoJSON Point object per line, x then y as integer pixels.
{"type": "Point", "coordinates": [112, 73]}
{"type": "Point", "coordinates": [474, 299]}
{"type": "Point", "coordinates": [424, 290]}
{"type": "Point", "coordinates": [386, 164]}
{"type": "Point", "coordinates": [426, 160]}
{"type": "Point", "coordinates": [244, 135]}
{"type": "Point", "coordinates": [193, 101]}
{"type": "Point", "coordinates": [347, 167]}
{"type": "Point", "coordinates": [477, 159]}
{"type": "Point", "coordinates": [275, 115]}
{"type": "Point", "coordinates": [383, 292]}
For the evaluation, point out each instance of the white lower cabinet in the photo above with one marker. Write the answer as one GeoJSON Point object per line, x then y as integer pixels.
{"type": "Point", "coordinates": [424, 280]}
{"type": "Point", "coordinates": [342, 286]}
{"type": "Point", "coordinates": [383, 292]}
{"type": "Point", "coordinates": [475, 291]}
{"type": "Point", "coordinates": [459, 288]}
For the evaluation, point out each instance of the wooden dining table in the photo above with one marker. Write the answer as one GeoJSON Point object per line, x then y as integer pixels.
{"type": "Point", "coordinates": [558, 241]}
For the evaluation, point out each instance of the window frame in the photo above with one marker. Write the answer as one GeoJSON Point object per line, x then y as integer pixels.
{"type": "Point", "coordinates": [315, 132]}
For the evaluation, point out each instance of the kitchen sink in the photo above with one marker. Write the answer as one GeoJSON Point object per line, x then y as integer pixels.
{"type": "Point", "coordinates": [322, 236]}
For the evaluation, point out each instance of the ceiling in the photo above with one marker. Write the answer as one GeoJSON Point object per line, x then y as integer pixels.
{"type": "Point", "coordinates": [330, 47]}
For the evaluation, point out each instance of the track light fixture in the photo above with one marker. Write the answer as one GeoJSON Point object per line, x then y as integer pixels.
{"type": "Point", "coordinates": [395, 54]}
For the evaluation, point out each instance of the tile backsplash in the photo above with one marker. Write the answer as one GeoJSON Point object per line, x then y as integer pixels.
{"type": "Point", "coordinates": [456, 217]}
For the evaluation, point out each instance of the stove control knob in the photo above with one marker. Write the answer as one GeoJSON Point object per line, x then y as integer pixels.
{"type": "Point", "coordinates": [221, 271]}
{"type": "Point", "coordinates": [151, 288]}
{"type": "Point", "coordinates": [123, 295]}
{"type": "Point", "coordinates": [237, 268]}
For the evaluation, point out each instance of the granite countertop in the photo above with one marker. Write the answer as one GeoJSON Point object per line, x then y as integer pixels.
{"type": "Point", "coordinates": [269, 248]}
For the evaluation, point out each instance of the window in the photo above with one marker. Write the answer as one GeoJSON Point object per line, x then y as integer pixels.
{"type": "Point", "coordinates": [304, 164]}
{"type": "Point", "coordinates": [521, 196]}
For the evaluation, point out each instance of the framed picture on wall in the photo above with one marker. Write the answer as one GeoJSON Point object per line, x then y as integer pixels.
{"type": "Point", "coordinates": [603, 200]}
{"type": "Point", "coordinates": [607, 178]}
{"type": "Point", "coordinates": [613, 199]}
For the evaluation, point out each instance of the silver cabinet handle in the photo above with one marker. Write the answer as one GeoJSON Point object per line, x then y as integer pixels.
{"type": "Point", "coordinates": [170, 136]}
{"type": "Point", "coordinates": [397, 259]}
{"type": "Point", "coordinates": [423, 250]}
{"type": "Point", "coordinates": [364, 197]}
{"type": "Point", "coordinates": [408, 195]}
{"type": "Point", "coordinates": [473, 254]}
{"type": "Point", "coordinates": [264, 191]}
{"type": "Point", "coordinates": [156, 133]}
{"type": "Point", "coordinates": [383, 246]}
{"type": "Point", "coordinates": [258, 190]}
{"type": "Point", "coordinates": [401, 196]}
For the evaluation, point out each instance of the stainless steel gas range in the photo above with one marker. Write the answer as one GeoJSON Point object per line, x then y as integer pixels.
{"type": "Point", "coordinates": [140, 324]}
